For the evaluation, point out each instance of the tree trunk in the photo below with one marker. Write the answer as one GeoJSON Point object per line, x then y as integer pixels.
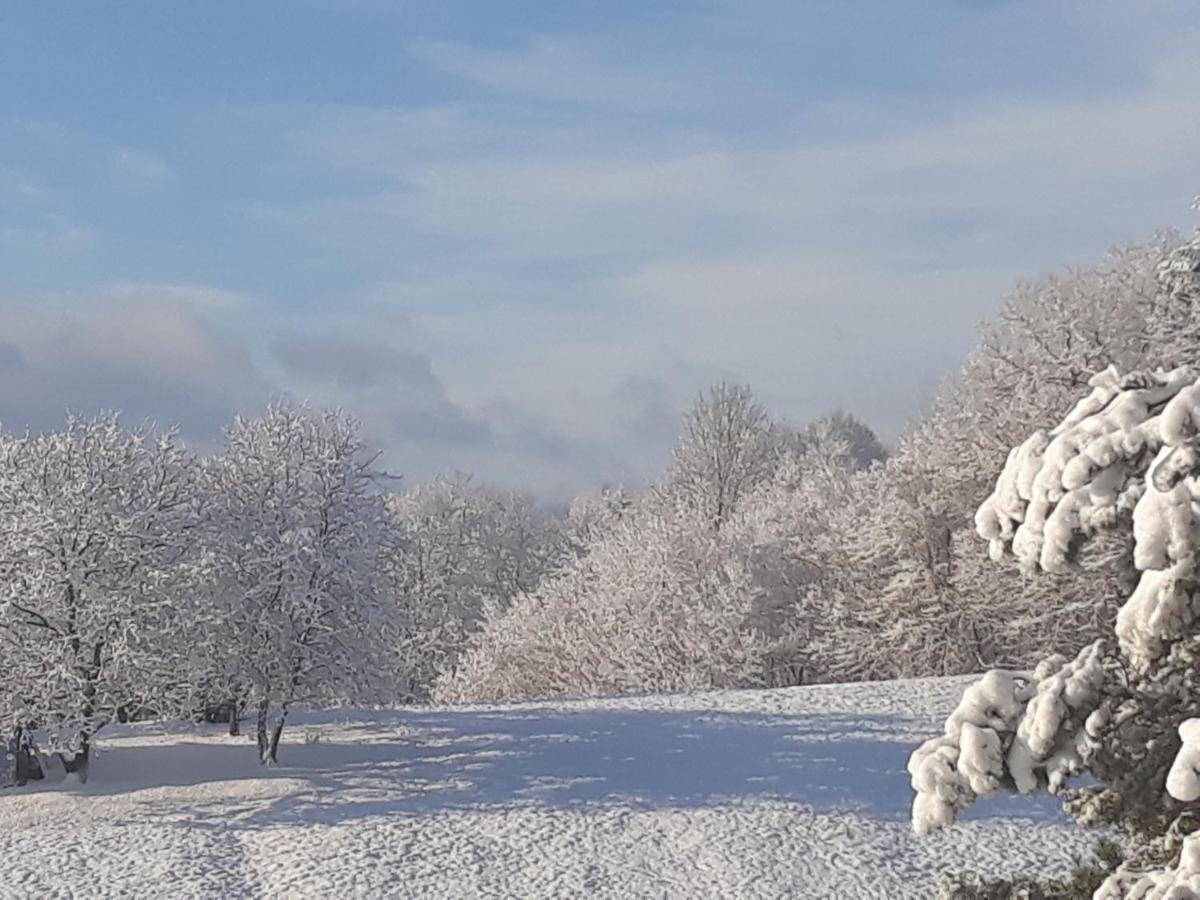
{"type": "Point", "coordinates": [276, 734]}
{"type": "Point", "coordinates": [78, 762]}
{"type": "Point", "coordinates": [261, 738]}
{"type": "Point", "coordinates": [237, 706]}
{"type": "Point", "coordinates": [26, 767]}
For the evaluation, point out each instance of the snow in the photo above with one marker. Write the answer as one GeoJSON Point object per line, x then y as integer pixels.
{"type": "Point", "coordinates": [1180, 882]}
{"type": "Point", "coordinates": [1058, 487]}
{"type": "Point", "coordinates": [796, 792]}
{"type": "Point", "coordinates": [1183, 781]}
{"type": "Point", "coordinates": [1021, 711]}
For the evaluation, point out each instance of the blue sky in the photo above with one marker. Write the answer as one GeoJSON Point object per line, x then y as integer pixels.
{"type": "Point", "coordinates": [518, 238]}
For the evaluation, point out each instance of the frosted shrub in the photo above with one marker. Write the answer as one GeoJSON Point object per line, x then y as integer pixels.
{"type": "Point", "coordinates": [459, 548]}
{"type": "Point", "coordinates": [658, 604]}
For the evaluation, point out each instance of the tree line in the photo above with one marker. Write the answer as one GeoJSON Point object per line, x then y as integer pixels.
{"type": "Point", "coordinates": [138, 577]}
{"type": "Point", "coordinates": [769, 555]}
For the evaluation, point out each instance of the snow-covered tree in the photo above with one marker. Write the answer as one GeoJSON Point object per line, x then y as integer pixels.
{"type": "Point", "coordinates": [728, 447]}
{"type": "Point", "coordinates": [801, 530]}
{"type": "Point", "coordinates": [98, 530]}
{"type": "Point", "coordinates": [590, 517]}
{"type": "Point", "coordinates": [1123, 711]}
{"type": "Point", "coordinates": [789, 530]}
{"type": "Point", "coordinates": [839, 440]}
{"type": "Point", "coordinates": [297, 543]}
{"type": "Point", "coordinates": [923, 594]}
{"type": "Point", "coordinates": [659, 603]}
{"type": "Point", "coordinates": [655, 598]}
{"type": "Point", "coordinates": [459, 548]}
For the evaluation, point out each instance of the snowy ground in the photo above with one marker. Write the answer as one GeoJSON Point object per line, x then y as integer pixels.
{"type": "Point", "coordinates": [788, 793]}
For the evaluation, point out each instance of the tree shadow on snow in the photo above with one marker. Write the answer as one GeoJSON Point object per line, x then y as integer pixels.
{"type": "Point", "coordinates": [410, 763]}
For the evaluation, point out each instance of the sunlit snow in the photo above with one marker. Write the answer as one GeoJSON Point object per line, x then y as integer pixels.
{"type": "Point", "coordinates": [799, 792]}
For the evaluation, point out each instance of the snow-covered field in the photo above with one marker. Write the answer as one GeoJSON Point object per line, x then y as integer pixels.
{"type": "Point", "coordinates": [786, 793]}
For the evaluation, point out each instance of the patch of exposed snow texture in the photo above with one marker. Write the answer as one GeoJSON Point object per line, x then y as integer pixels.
{"type": "Point", "coordinates": [798, 792]}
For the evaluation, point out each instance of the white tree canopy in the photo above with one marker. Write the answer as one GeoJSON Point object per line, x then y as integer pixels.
{"type": "Point", "coordinates": [728, 447]}
{"type": "Point", "coordinates": [297, 549]}
{"type": "Point", "coordinates": [459, 549]}
{"type": "Point", "coordinates": [97, 547]}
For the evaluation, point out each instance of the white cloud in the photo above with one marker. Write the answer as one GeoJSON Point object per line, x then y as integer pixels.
{"type": "Point", "coordinates": [140, 165]}
{"type": "Point", "coordinates": [552, 190]}
{"type": "Point", "coordinates": [595, 73]}
{"type": "Point", "coordinates": [160, 359]}
{"type": "Point", "coordinates": [531, 270]}
{"type": "Point", "coordinates": [50, 234]}
{"type": "Point", "coordinates": [790, 260]}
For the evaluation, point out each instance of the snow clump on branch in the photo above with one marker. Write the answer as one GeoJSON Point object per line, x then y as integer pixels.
{"type": "Point", "coordinates": [1127, 455]}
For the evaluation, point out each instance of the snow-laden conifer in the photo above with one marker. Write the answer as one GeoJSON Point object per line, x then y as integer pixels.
{"type": "Point", "coordinates": [1122, 710]}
